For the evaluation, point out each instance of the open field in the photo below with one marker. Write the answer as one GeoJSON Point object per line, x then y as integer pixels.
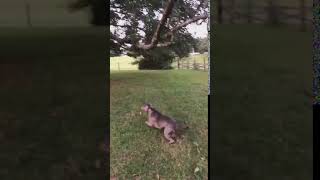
{"type": "Point", "coordinates": [53, 100]}
{"type": "Point", "coordinates": [140, 152]}
{"type": "Point", "coordinates": [125, 62]}
{"type": "Point", "coordinates": [262, 120]}
{"type": "Point", "coordinates": [122, 63]}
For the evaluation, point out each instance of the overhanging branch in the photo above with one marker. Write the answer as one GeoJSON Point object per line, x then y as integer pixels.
{"type": "Point", "coordinates": [187, 22]}
{"type": "Point", "coordinates": [156, 36]}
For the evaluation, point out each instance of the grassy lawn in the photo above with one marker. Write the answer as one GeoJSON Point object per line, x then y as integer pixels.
{"type": "Point", "coordinates": [262, 120]}
{"type": "Point", "coordinates": [140, 152]}
{"type": "Point", "coordinates": [52, 108]}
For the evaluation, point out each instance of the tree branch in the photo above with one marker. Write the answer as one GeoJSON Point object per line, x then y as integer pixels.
{"type": "Point", "coordinates": [156, 36]}
{"type": "Point", "coordinates": [126, 26]}
{"type": "Point", "coordinates": [187, 22]}
{"type": "Point", "coordinates": [120, 41]}
{"type": "Point", "coordinates": [165, 44]}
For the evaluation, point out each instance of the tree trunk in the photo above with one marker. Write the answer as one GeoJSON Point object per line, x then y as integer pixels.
{"type": "Point", "coordinates": [98, 13]}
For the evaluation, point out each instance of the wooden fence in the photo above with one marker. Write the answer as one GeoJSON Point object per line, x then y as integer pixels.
{"type": "Point", "coordinates": [188, 64]}
{"type": "Point", "coordinates": [269, 13]}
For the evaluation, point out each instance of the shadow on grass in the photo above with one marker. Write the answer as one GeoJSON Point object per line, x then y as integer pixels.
{"type": "Point", "coordinates": [53, 104]}
{"type": "Point", "coordinates": [262, 126]}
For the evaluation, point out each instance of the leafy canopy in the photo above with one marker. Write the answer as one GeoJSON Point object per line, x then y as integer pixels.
{"type": "Point", "coordinates": [137, 26]}
{"type": "Point", "coordinates": [149, 28]}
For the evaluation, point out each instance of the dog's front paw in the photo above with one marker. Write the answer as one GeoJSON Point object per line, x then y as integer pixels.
{"type": "Point", "coordinates": [148, 124]}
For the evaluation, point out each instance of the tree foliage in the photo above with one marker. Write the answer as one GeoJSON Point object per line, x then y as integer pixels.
{"type": "Point", "coordinates": [140, 26]}
{"type": "Point", "coordinates": [202, 45]}
{"type": "Point", "coordinates": [157, 58]}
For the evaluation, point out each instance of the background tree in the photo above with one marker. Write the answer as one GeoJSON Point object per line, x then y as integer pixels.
{"type": "Point", "coordinates": [220, 11]}
{"type": "Point", "coordinates": [138, 27]}
{"type": "Point", "coordinates": [273, 13]}
{"type": "Point", "coordinates": [98, 9]}
{"type": "Point", "coordinates": [202, 45]}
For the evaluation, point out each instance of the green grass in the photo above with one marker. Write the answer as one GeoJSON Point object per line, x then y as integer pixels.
{"type": "Point", "coordinates": [262, 120]}
{"type": "Point", "coordinates": [52, 85]}
{"type": "Point", "coordinates": [137, 150]}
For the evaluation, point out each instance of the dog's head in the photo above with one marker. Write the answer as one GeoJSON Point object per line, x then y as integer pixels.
{"type": "Point", "coordinates": [146, 107]}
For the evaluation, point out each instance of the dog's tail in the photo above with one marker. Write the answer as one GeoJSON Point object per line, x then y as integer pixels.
{"type": "Point", "coordinates": [182, 125]}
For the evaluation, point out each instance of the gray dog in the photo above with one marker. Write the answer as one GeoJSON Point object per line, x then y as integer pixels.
{"type": "Point", "coordinates": [160, 121]}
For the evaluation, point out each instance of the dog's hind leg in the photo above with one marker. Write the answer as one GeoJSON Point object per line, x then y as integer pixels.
{"type": "Point", "coordinates": [167, 134]}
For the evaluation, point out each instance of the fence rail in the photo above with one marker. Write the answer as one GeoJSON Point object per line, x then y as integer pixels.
{"type": "Point", "coordinates": [269, 13]}
{"type": "Point", "coordinates": [192, 65]}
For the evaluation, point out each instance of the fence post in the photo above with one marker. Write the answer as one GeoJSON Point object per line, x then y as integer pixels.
{"type": "Point", "coordinates": [194, 64]}
{"type": "Point", "coordinates": [232, 11]}
{"type": "Point", "coordinates": [303, 15]}
{"type": "Point", "coordinates": [272, 10]}
{"type": "Point", "coordinates": [178, 63]}
{"type": "Point", "coordinates": [188, 63]}
{"type": "Point", "coordinates": [220, 11]}
{"type": "Point", "coordinates": [28, 16]}
{"type": "Point", "coordinates": [118, 66]}
{"type": "Point", "coordinates": [249, 6]}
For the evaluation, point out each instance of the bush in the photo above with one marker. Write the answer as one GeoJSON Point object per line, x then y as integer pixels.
{"type": "Point", "coordinates": [155, 59]}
